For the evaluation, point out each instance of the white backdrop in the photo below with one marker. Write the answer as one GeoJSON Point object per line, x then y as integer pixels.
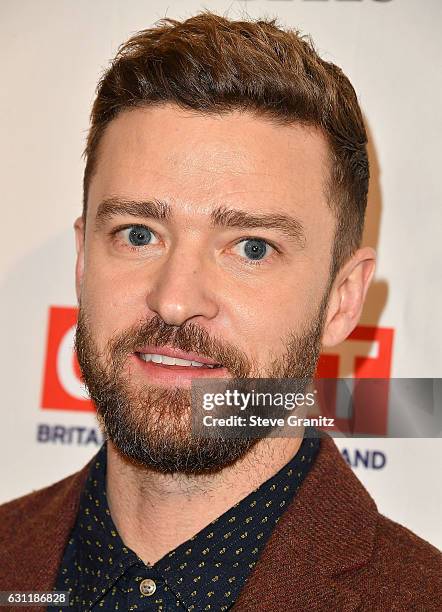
{"type": "Point", "coordinates": [53, 52]}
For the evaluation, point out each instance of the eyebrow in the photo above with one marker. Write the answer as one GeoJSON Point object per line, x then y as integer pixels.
{"type": "Point", "coordinates": [288, 225]}
{"type": "Point", "coordinates": [151, 209]}
{"type": "Point", "coordinates": [220, 217]}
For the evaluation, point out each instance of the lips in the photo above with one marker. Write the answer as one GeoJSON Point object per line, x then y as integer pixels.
{"type": "Point", "coordinates": [172, 357]}
{"type": "Point", "coordinates": [154, 366]}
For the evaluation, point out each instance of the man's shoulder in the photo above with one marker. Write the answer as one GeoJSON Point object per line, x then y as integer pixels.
{"type": "Point", "coordinates": [35, 499]}
{"type": "Point", "coordinates": [403, 571]}
{"type": "Point", "coordinates": [34, 530]}
{"type": "Point", "coordinates": [23, 512]}
{"type": "Point", "coordinates": [403, 549]}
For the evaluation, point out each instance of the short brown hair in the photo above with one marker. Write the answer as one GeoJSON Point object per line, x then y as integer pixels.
{"type": "Point", "coordinates": [211, 64]}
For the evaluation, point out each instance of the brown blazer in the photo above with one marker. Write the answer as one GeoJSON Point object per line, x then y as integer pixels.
{"type": "Point", "coordinates": [331, 550]}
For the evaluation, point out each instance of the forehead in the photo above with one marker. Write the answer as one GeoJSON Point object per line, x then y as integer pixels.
{"type": "Point", "coordinates": [197, 162]}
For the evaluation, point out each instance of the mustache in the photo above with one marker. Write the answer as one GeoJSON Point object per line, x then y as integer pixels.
{"type": "Point", "coordinates": [188, 337]}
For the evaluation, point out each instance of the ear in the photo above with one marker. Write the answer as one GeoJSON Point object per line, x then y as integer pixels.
{"type": "Point", "coordinates": [347, 296]}
{"type": "Point", "coordinates": [79, 266]}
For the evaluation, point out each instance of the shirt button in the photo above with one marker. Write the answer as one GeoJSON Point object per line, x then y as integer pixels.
{"type": "Point", "coordinates": [148, 587]}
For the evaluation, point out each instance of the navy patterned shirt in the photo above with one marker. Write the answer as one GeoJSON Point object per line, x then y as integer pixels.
{"type": "Point", "coordinates": [205, 573]}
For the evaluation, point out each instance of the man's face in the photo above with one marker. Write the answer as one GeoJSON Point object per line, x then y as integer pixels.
{"type": "Point", "coordinates": [207, 239]}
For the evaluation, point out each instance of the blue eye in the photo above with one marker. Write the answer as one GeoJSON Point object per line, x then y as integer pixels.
{"type": "Point", "coordinates": [254, 248]}
{"type": "Point", "coordinates": [139, 235]}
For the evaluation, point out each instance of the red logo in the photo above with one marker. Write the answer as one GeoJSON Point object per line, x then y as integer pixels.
{"type": "Point", "coordinates": [366, 353]}
{"type": "Point", "coordinates": [63, 388]}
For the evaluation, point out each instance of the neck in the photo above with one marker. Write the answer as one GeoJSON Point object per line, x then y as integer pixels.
{"type": "Point", "coordinates": [154, 513]}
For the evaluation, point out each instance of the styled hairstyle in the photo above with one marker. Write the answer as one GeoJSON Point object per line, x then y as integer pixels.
{"type": "Point", "coordinates": [212, 64]}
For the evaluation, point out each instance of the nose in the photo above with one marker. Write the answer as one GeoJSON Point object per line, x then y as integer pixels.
{"type": "Point", "coordinates": [181, 289]}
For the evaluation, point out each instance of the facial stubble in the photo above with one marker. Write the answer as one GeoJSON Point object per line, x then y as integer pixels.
{"type": "Point", "coordinates": [151, 425]}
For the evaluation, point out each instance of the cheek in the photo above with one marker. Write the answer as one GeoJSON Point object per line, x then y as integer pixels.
{"type": "Point", "coordinates": [113, 301]}
{"type": "Point", "coordinates": [261, 320]}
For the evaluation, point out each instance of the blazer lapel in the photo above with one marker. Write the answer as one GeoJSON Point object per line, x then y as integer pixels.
{"type": "Point", "coordinates": [328, 529]}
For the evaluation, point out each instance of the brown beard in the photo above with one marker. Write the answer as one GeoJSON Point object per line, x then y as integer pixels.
{"type": "Point", "coordinates": [152, 425]}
